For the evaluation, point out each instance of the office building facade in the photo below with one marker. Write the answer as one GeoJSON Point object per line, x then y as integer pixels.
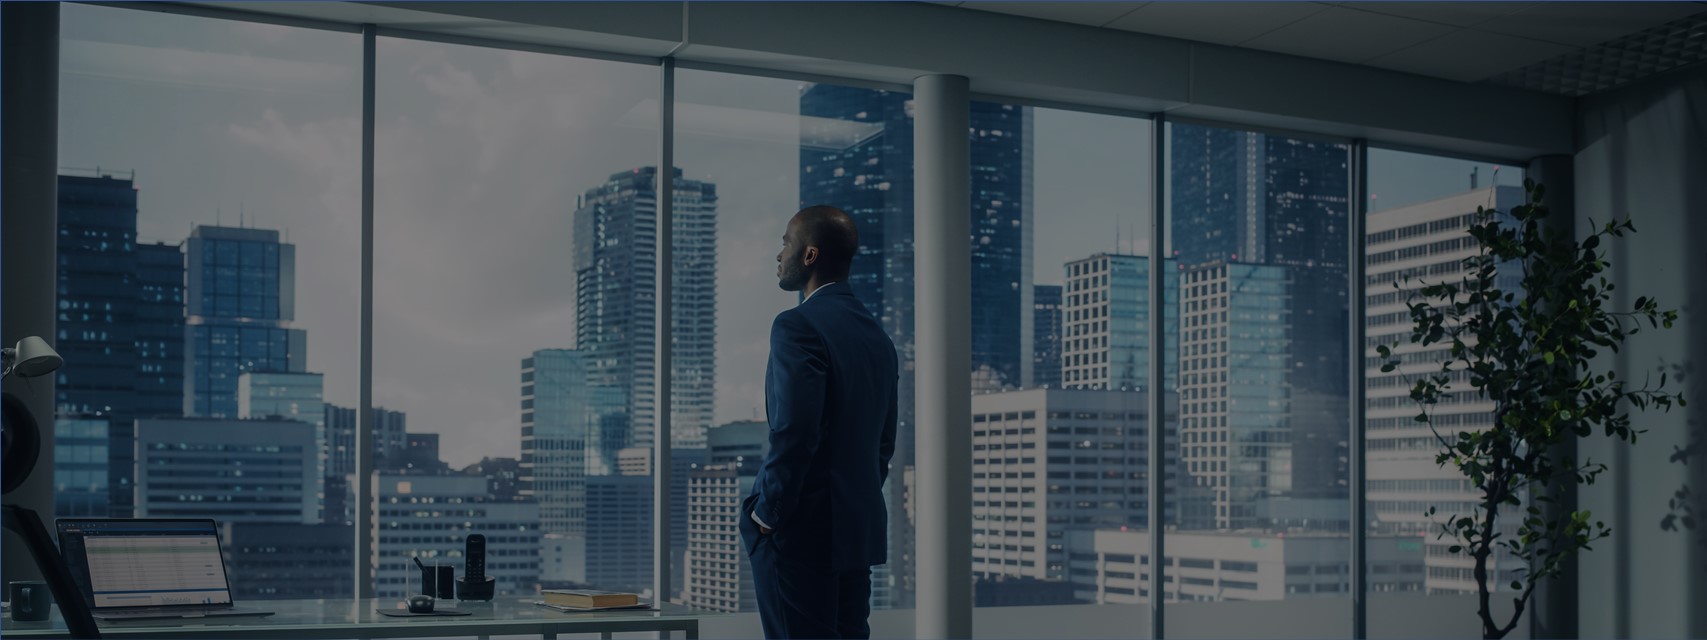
{"type": "Point", "coordinates": [1046, 332]}
{"type": "Point", "coordinates": [80, 458]}
{"type": "Point", "coordinates": [570, 430]}
{"type": "Point", "coordinates": [229, 470]}
{"type": "Point", "coordinates": [719, 578]}
{"type": "Point", "coordinates": [615, 256]}
{"type": "Point", "coordinates": [1407, 246]}
{"type": "Point", "coordinates": [120, 317]}
{"type": "Point", "coordinates": [431, 515]}
{"type": "Point", "coordinates": [390, 441]}
{"type": "Point", "coordinates": [290, 396]}
{"type": "Point", "coordinates": [271, 561]}
{"type": "Point", "coordinates": [240, 301]}
{"type": "Point", "coordinates": [1112, 566]}
{"type": "Point", "coordinates": [619, 544]}
{"type": "Point", "coordinates": [1106, 323]}
{"type": "Point", "coordinates": [1048, 460]}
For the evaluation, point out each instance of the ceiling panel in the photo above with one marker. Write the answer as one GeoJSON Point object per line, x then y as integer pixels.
{"type": "Point", "coordinates": [1228, 23]}
{"type": "Point", "coordinates": [1469, 55]}
{"type": "Point", "coordinates": [1348, 35]}
{"type": "Point", "coordinates": [1458, 14]}
{"type": "Point", "coordinates": [1586, 23]}
{"type": "Point", "coordinates": [1095, 14]}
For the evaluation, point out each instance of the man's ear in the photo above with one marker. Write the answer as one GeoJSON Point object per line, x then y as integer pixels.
{"type": "Point", "coordinates": [810, 256]}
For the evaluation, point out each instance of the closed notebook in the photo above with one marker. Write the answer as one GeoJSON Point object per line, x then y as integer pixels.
{"type": "Point", "coordinates": [588, 599]}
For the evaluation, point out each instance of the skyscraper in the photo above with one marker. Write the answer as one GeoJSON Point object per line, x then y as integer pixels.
{"type": "Point", "coordinates": [1406, 246]}
{"type": "Point", "coordinates": [1259, 232]}
{"type": "Point", "coordinates": [1106, 323]}
{"type": "Point", "coordinates": [1046, 336]}
{"type": "Point", "coordinates": [570, 430]}
{"type": "Point", "coordinates": [615, 235]}
{"type": "Point", "coordinates": [121, 317]}
{"type": "Point", "coordinates": [241, 301]}
{"type": "Point", "coordinates": [868, 172]}
{"type": "Point", "coordinates": [160, 330]}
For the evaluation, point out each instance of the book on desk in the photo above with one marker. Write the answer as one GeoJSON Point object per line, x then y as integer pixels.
{"type": "Point", "coordinates": [588, 600]}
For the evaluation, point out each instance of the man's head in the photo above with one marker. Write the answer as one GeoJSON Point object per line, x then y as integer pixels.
{"type": "Point", "coordinates": [820, 240]}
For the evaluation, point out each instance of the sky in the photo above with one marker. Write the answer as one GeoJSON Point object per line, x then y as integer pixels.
{"type": "Point", "coordinates": [479, 158]}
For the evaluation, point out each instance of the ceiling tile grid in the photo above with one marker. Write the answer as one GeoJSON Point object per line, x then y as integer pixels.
{"type": "Point", "coordinates": [1616, 62]}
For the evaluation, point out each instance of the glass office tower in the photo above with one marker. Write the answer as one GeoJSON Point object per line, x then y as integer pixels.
{"type": "Point", "coordinates": [241, 301]}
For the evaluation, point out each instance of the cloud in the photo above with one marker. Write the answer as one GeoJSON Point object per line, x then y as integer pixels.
{"type": "Point", "coordinates": [211, 70]}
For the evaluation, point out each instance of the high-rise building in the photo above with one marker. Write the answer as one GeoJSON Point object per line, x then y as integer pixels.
{"type": "Point", "coordinates": [1262, 217]}
{"type": "Point", "coordinates": [241, 299]}
{"type": "Point", "coordinates": [1106, 323]}
{"type": "Point", "coordinates": [431, 515]}
{"type": "Point", "coordinates": [1046, 460]}
{"type": "Point", "coordinates": [160, 331]}
{"type": "Point", "coordinates": [290, 396]}
{"type": "Point", "coordinates": [615, 321]}
{"type": "Point", "coordinates": [1407, 246]}
{"type": "Point", "coordinates": [121, 318]}
{"type": "Point", "coordinates": [719, 578]}
{"type": "Point", "coordinates": [1112, 566]}
{"type": "Point", "coordinates": [80, 459]}
{"type": "Point", "coordinates": [272, 561]}
{"type": "Point", "coordinates": [571, 429]}
{"type": "Point", "coordinates": [227, 469]}
{"type": "Point", "coordinates": [390, 441]}
{"type": "Point", "coordinates": [866, 168]}
{"type": "Point", "coordinates": [1046, 336]}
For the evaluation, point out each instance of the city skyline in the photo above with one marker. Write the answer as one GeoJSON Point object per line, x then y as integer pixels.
{"type": "Point", "coordinates": [276, 131]}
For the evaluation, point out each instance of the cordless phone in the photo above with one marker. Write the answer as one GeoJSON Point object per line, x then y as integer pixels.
{"type": "Point", "coordinates": [474, 552]}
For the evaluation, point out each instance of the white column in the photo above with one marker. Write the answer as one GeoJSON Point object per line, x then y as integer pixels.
{"type": "Point", "coordinates": [942, 278]}
{"type": "Point", "coordinates": [30, 190]}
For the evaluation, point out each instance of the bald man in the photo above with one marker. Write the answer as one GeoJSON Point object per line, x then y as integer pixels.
{"type": "Point", "coordinates": [815, 523]}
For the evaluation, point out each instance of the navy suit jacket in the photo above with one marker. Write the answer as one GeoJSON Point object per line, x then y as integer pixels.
{"type": "Point", "coordinates": [830, 396]}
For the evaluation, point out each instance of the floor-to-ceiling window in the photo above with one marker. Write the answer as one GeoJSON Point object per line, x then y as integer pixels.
{"type": "Point", "coordinates": [514, 239]}
{"type": "Point", "coordinates": [1061, 204]}
{"type": "Point", "coordinates": [209, 220]}
{"type": "Point", "coordinates": [750, 152]}
{"type": "Point", "coordinates": [1259, 506]}
{"type": "Point", "coordinates": [1420, 208]}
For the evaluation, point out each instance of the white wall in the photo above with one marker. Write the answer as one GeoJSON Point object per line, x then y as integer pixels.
{"type": "Point", "coordinates": [1643, 151]}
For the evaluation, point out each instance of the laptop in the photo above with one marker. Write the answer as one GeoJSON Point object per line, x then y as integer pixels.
{"type": "Point", "coordinates": [149, 569]}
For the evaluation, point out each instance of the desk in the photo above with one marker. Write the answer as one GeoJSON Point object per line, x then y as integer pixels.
{"type": "Point", "coordinates": [348, 618]}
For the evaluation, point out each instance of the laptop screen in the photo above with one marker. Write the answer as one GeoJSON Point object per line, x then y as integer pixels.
{"type": "Point", "coordinates": [145, 563]}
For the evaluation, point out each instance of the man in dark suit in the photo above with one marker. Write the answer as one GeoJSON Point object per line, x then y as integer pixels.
{"type": "Point", "coordinates": [815, 522]}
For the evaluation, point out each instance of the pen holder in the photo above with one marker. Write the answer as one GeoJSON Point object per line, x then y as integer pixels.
{"type": "Point", "coordinates": [475, 590]}
{"type": "Point", "coordinates": [437, 581]}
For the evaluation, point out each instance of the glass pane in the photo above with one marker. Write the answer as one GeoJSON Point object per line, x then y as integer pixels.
{"type": "Point", "coordinates": [752, 151]}
{"type": "Point", "coordinates": [513, 277]}
{"type": "Point", "coordinates": [208, 208]}
{"type": "Point", "coordinates": [1258, 233]}
{"type": "Point", "coordinates": [1060, 374]}
{"type": "Point", "coordinates": [1419, 210]}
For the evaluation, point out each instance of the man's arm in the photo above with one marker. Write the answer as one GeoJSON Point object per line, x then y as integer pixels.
{"type": "Point", "coordinates": [794, 393]}
{"type": "Point", "coordinates": [886, 446]}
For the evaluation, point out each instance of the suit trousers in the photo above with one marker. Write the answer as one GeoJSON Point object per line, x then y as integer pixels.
{"type": "Point", "coordinates": [799, 603]}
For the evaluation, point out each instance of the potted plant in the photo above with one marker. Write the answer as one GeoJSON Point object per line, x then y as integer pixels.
{"type": "Point", "coordinates": [1530, 350]}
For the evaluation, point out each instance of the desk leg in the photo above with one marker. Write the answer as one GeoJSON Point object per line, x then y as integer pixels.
{"type": "Point", "coordinates": [604, 635]}
{"type": "Point", "coordinates": [692, 632]}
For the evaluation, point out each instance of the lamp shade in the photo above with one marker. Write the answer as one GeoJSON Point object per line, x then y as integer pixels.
{"type": "Point", "coordinates": [35, 358]}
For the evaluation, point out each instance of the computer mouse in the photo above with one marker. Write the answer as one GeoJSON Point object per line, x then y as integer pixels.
{"type": "Point", "coordinates": [420, 604]}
